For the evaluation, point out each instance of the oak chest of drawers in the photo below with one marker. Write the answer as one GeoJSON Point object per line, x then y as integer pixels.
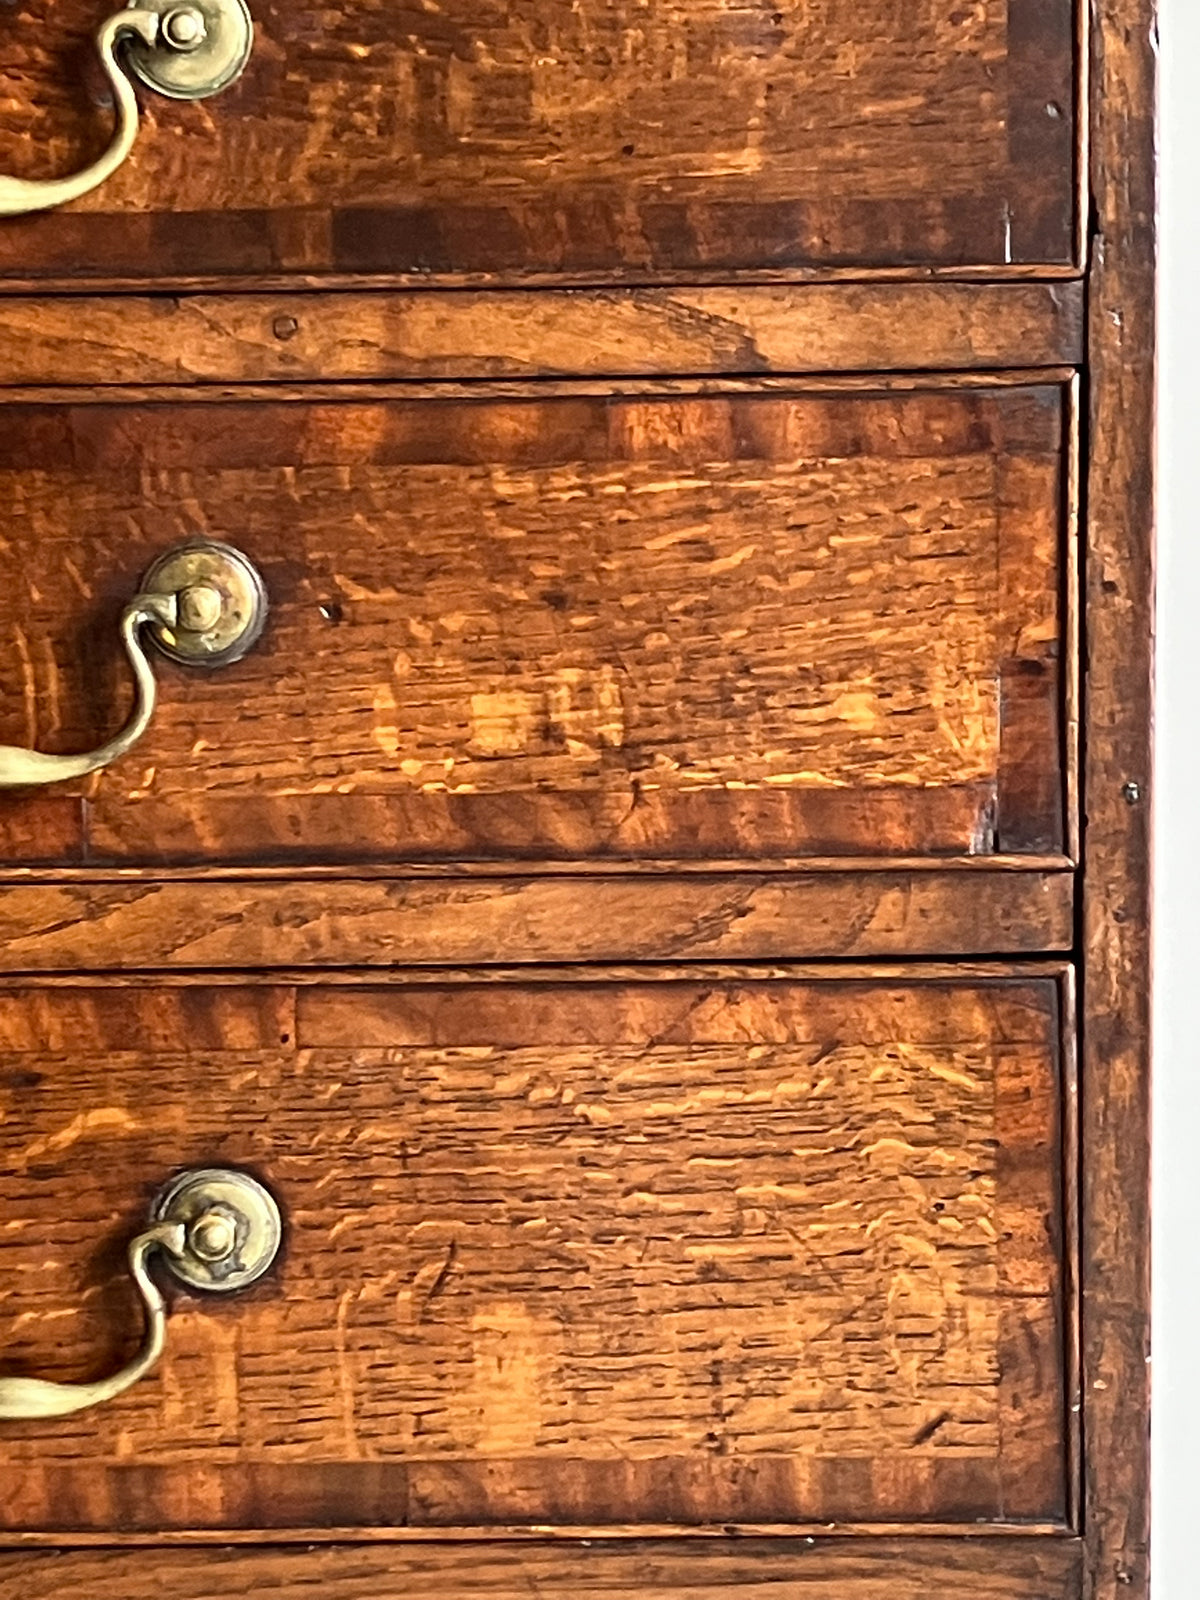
{"type": "Point", "coordinates": [587, 1033]}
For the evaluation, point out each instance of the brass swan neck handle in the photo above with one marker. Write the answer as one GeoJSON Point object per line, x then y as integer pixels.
{"type": "Point", "coordinates": [19, 767]}
{"type": "Point", "coordinates": [21, 195]}
{"type": "Point", "coordinates": [23, 1398]}
{"type": "Point", "coordinates": [186, 49]}
{"type": "Point", "coordinates": [202, 604]}
{"type": "Point", "coordinates": [217, 1229]}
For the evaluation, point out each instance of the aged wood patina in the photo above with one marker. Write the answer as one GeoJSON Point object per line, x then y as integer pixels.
{"type": "Point", "coordinates": [662, 906]}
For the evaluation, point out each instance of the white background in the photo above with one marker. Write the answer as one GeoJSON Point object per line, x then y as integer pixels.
{"type": "Point", "coordinates": [1176, 1477]}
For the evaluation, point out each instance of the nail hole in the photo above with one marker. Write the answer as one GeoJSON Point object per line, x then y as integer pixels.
{"type": "Point", "coordinates": [285, 327]}
{"type": "Point", "coordinates": [1054, 110]}
{"type": "Point", "coordinates": [331, 611]}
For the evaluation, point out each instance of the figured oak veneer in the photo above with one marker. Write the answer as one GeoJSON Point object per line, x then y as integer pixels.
{"type": "Point", "coordinates": [709, 626]}
{"type": "Point", "coordinates": [591, 141]}
{"type": "Point", "coordinates": [608, 217]}
{"type": "Point", "coordinates": [560, 1250]}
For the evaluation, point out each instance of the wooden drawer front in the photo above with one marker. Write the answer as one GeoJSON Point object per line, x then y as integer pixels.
{"type": "Point", "coordinates": [599, 140]}
{"type": "Point", "coordinates": [724, 627]}
{"type": "Point", "coordinates": [560, 1250]}
{"type": "Point", "coordinates": [709, 1568]}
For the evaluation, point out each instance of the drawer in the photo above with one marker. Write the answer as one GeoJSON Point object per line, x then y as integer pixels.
{"type": "Point", "coordinates": [609, 1250]}
{"type": "Point", "coordinates": [715, 627]}
{"type": "Point", "coordinates": [605, 140]}
{"type": "Point", "coordinates": [709, 1568]}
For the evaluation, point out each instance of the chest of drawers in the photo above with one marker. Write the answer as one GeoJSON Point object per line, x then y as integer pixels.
{"type": "Point", "coordinates": [661, 906]}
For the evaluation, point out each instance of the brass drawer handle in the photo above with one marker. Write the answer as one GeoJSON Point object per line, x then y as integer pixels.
{"type": "Point", "coordinates": [204, 605]}
{"type": "Point", "coordinates": [217, 1229]}
{"type": "Point", "coordinates": [186, 49]}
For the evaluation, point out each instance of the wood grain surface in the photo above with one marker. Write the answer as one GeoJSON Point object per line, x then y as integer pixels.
{"type": "Point", "coordinates": [735, 626]}
{"type": "Point", "coordinates": [429, 334]}
{"type": "Point", "coordinates": [1115, 928]}
{"type": "Point", "coordinates": [591, 142]}
{"type": "Point", "coordinates": [254, 923]}
{"type": "Point", "coordinates": [558, 1252]}
{"type": "Point", "coordinates": [590, 664]}
{"type": "Point", "coordinates": [716, 1569]}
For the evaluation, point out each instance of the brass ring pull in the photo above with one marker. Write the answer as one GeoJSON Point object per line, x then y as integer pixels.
{"type": "Point", "coordinates": [204, 605]}
{"type": "Point", "coordinates": [217, 1229]}
{"type": "Point", "coordinates": [186, 49]}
